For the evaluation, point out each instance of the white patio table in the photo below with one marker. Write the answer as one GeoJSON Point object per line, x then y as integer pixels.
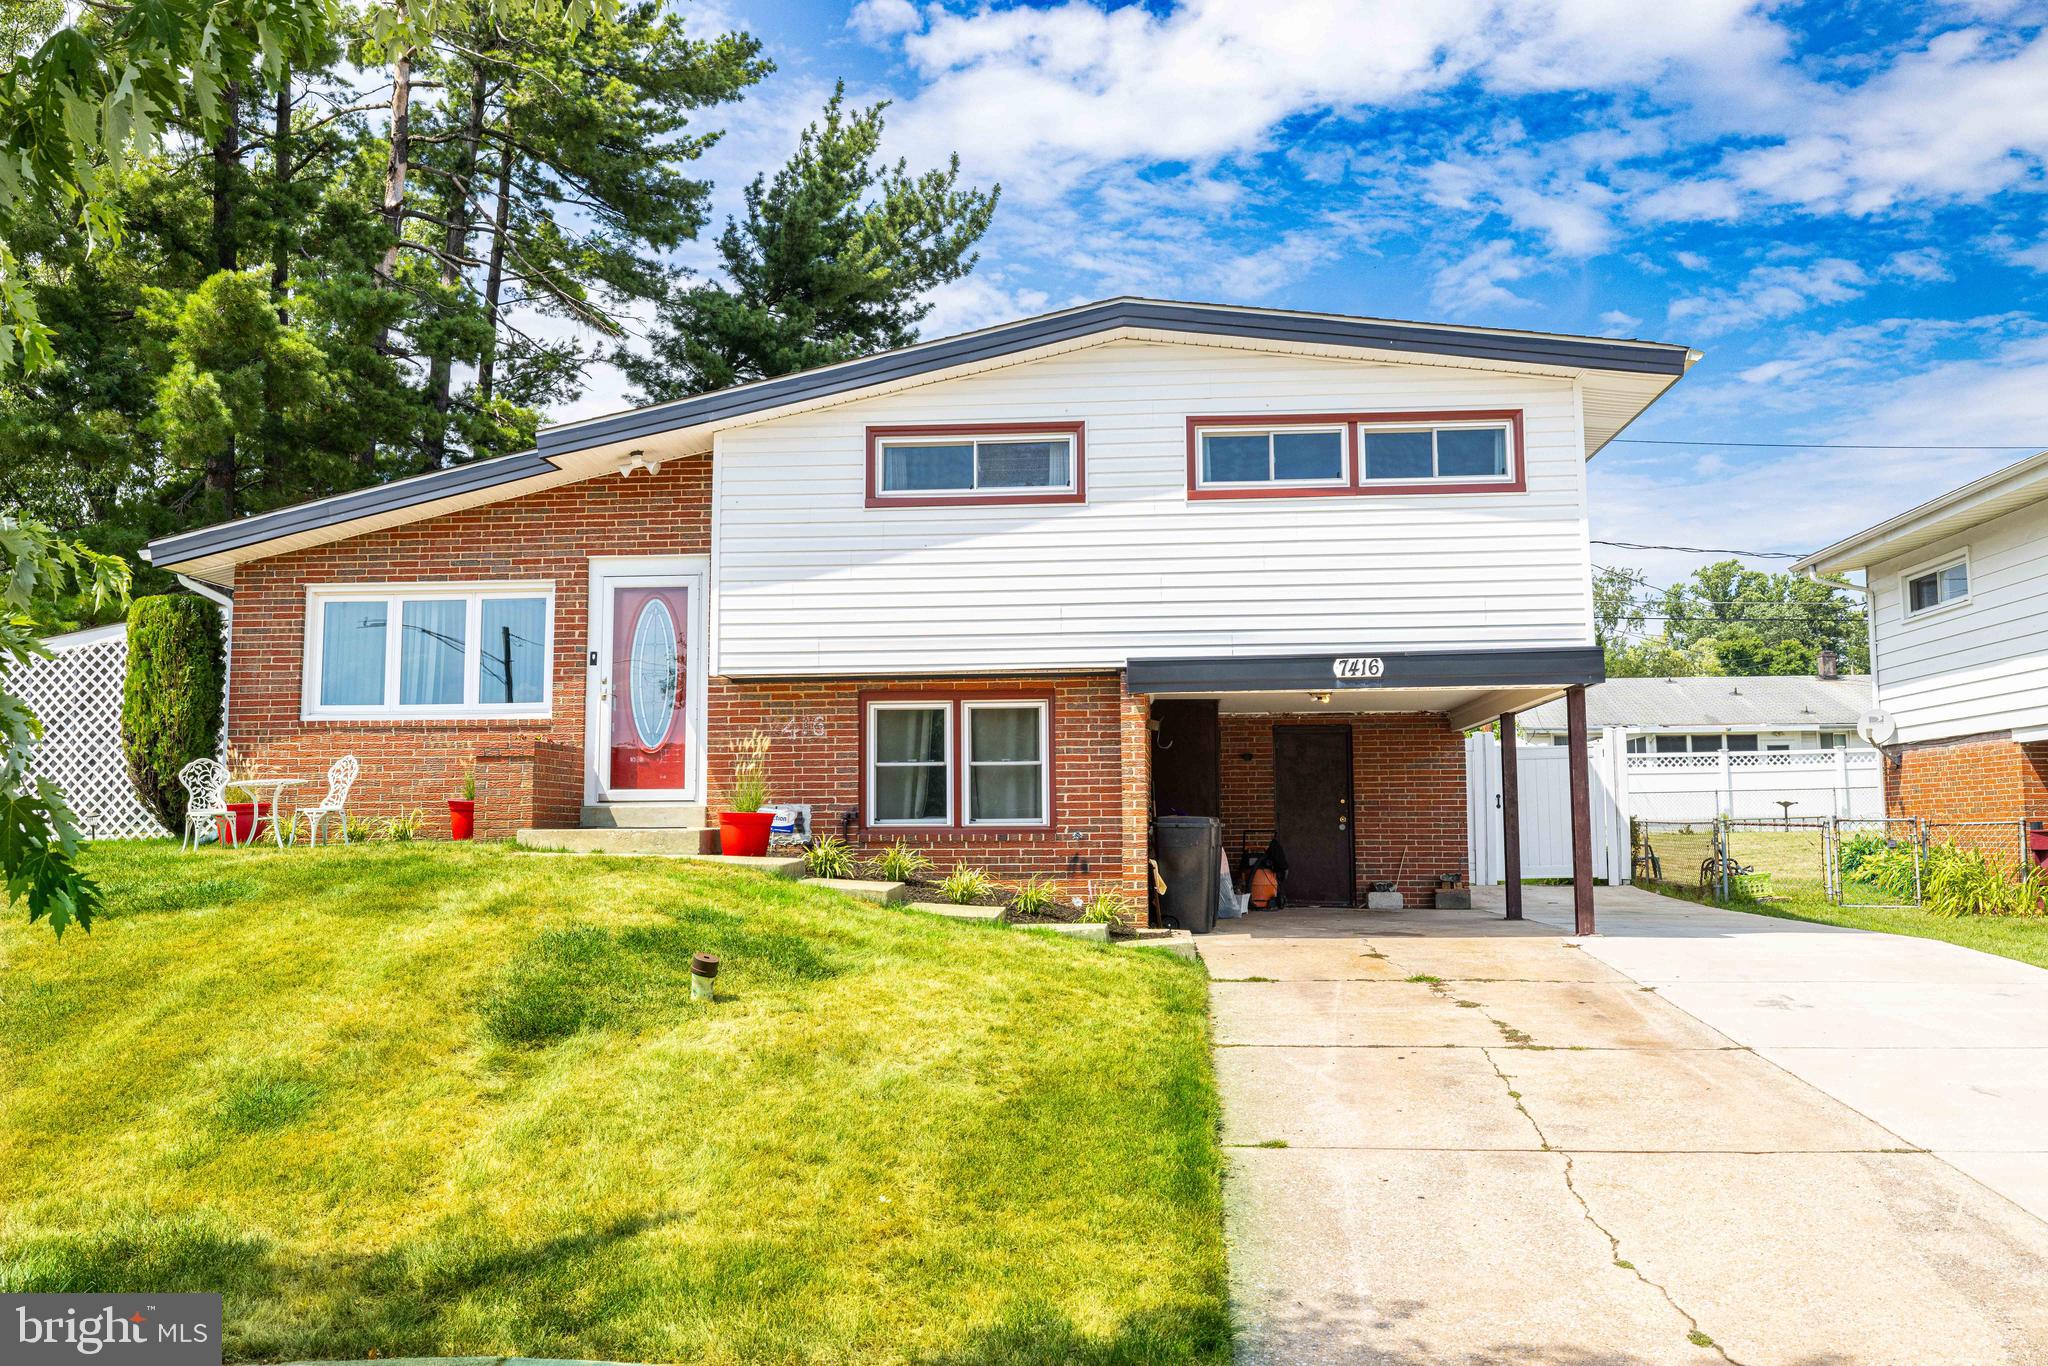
{"type": "Point", "coordinates": [255, 787]}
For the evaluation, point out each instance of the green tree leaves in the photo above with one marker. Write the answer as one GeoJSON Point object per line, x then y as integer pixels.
{"type": "Point", "coordinates": [1727, 619]}
{"type": "Point", "coordinates": [829, 263]}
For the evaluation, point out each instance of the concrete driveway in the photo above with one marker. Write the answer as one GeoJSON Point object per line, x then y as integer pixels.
{"type": "Point", "coordinates": [1457, 1139]}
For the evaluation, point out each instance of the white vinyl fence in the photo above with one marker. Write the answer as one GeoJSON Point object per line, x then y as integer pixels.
{"type": "Point", "coordinates": [1544, 789]}
{"type": "Point", "coordinates": [1812, 784]}
{"type": "Point", "coordinates": [77, 695]}
{"type": "Point", "coordinates": [1846, 784]}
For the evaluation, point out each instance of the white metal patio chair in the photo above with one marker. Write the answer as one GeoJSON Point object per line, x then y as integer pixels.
{"type": "Point", "coordinates": [206, 799]}
{"type": "Point", "coordinates": [341, 776]}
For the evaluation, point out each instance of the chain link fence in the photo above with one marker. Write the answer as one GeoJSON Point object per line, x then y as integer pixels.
{"type": "Point", "coordinates": [1851, 862]}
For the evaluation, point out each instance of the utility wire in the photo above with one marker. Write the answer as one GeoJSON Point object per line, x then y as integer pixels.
{"type": "Point", "coordinates": [1704, 550]}
{"type": "Point", "coordinates": [1806, 445]}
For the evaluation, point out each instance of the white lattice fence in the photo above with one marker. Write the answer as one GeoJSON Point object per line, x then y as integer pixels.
{"type": "Point", "coordinates": [77, 695]}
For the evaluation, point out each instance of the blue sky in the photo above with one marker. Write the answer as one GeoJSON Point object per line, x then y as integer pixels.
{"type": "Point", "coordinates": [1841, 204]}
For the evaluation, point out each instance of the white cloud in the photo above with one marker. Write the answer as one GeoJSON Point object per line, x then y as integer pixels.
{"type": "Point", "coordinates": [1771, 291]}
{"type": "Point", "coordinates": [980, 300]}
{"type": "Point", "coordinates": [1691, 260]}
{"type": "Point", "coordinates": [1923, 264]}
{"type": "Point", "coordinates": [1476, 283]}
{"type": "Point", "coordinates": [1615, 323]}
{"type": "Point", "coordinates": [2034, 257]}
{"type": "Point", "coordinates": [879, 20]}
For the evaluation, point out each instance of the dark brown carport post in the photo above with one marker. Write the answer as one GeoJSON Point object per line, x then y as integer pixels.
{"type": "Point", "coordinates": [1510, 817]}
{"type": "Point", "coordinates": [1582, 809]}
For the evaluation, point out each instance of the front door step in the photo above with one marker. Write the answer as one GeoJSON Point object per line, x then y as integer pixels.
{"type": "Point", "coordinates": [666, 840]}
{"type": "Point", "coordinates": [643, 816]}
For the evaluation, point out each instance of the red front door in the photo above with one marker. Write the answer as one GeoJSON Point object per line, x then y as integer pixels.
{"type": "Point", "coordinates": [649, 706]}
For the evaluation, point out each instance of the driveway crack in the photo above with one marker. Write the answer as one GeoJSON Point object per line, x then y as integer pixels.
{"type": "Point", "coordinates": [1695, 1334]}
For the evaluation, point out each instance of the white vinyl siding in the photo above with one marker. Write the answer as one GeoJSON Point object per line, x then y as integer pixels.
{"type": "Point", "coordinates": [810, 580]}
{"type": "Point", "coordinates": [1974, 666]}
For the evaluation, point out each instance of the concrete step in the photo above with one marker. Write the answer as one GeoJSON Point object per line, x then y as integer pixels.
{"type": "Point", "coordinates": [887, 893]}
{"type": "Point", "coordinates": [645, 816]}
{"type": "Point", "coordinates": [670, 840]}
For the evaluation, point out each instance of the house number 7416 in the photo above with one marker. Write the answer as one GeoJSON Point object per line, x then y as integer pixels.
{"type": "Point", "coordinates": [1359, 666]}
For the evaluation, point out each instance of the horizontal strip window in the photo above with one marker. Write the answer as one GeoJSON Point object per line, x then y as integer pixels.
{"type": "Point", "coordinates": [1467, 451]}
{"type": "Point", "coordinates": [925, 466]}
{"type": "Point", "coordinates": [1356, 453]}
{"type": "Point", "coordinates": [412, 651]}
{"type": "Point", "coordinates": [1292, 457]}
{"type": "Point", "coordinates": [1943, 586]}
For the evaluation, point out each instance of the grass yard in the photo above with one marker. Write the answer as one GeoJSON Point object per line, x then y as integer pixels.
{"type": "Point", "coordinates": [2024, 938]}
{"type": "Point", "coordinates": [418, 1099]}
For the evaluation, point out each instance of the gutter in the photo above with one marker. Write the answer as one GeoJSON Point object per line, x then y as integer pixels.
{"type": "Point", "coordinates": [221, 598]}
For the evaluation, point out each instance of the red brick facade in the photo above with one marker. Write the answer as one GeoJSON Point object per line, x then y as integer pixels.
{"type": "Point", "coordinates": [1407, 784]}
{"type": "Point", "coordinates": [529, 773]}
{"type": "Point", "coordinates": [1408, 771]}
{"type": "Point", "coordinates": [815, 726]}
{"type": "Point", "coordinates": [1975, 778]}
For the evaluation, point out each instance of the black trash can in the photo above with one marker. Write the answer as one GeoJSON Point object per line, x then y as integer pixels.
{"type": "Point", "coordinates": [1189, 850]}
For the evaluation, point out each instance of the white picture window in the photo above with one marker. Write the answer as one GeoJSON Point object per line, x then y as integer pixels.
{"type": "Point", "coordinates": [941, 466]}
{"type": "Point", "coordinates": [1462, 452]}
{"type": "Point", "coordinates": [1007, 767]}
{"type": "Point", "coordinates": [910, 763]}
{"type": "Point", "coordinates": [1941, 586]}
{"type": "Point", "coordinates": [1277, 457]}
{"type": "Point", "coordinates": [428, 650]}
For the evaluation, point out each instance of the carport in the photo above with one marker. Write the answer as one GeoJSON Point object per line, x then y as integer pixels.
{"type": "Point", "coordinates": [1344, 756]}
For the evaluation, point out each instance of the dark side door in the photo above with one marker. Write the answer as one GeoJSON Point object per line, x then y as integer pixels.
{"type": "Point", "coordinates": [1186, 769]}
{"type": "Point", "coordinates": [1312, 811]}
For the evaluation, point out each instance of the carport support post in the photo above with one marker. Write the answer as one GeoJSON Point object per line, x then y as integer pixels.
{"type": "Point", "coordinates": [1510, 817]}
{"type": "Point", "coordinates": [1582, 810]}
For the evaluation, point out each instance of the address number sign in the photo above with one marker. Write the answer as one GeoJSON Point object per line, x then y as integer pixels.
{"type": "Point", "coordinates": [1358, 666]}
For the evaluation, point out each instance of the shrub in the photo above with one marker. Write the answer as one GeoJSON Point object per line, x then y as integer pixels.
{"type": "Point", "coordinates": [829, 857]}
{"type": "Point", "coordinates": [964, 885]}
{"type": "Point", "coordinates": [1106, 908]}
{"type": "Point", "coordinates": [170, 698]}
{"type": "Point", "coordinates": [901, 863]}
{"type": "Point", "coordinates": [749, 773]}
{"type": "Point", "coordinates": [403, 829]}
{"type": "Point", "coordinates": [359, 829]}
{"type": "Point", "coordinates": [1858, 849]}
{"type": "Point", "coordinates": [1035, 896]}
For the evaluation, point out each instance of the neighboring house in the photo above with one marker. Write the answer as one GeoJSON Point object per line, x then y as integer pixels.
{"type": "Point", "coordinates": [998, 595]}
{"type": "Point", "coordinates": [1958, 596]}
{"type": "Point", "coordinates": [1743, 715]}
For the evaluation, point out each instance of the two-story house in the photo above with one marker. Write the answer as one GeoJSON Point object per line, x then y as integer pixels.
{"type": "Point", "coordinates": [1001, 595]}
{"type": "Point", "coordinates": [1959, 646]}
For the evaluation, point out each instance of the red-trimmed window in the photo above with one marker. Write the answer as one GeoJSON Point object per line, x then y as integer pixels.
{"type": "Point", "coordinates": [943, 762]}
{"type": "Point", "coordinates": [1346, 454]}
{"type": "Point", "coordinates": [983, 463]}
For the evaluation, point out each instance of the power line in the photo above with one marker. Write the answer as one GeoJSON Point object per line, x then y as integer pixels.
{"type": "Point", "coordinates": [1704, 550]}
{"type": "Point", "coordinates": [1808, 445]}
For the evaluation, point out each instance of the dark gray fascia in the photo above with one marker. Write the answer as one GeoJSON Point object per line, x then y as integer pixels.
{"type": "Point", "coordinates": [1535, 668]}
{"type": "Point", "coordinates": [347, 507]}
{"type": "Point", "coordinates": [1648, 358]}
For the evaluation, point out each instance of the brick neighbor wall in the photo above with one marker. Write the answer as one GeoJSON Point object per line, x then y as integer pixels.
{"type": "Point", "coordinates": [1407, 793]}
{"type": "Point", "coordinates": [1975, 778]}
{"type": "Point", "coordinates": [815, 727]}
{"type": "Point", "coordinates": [528, 772]}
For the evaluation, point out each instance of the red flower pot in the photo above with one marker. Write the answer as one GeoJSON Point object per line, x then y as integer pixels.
{"type": "Point", "coordinates": [461, 819]}
{"type": "Point", "coordinates": [744, 834]}
{"type": "Point", "coordinates": [251, 821]}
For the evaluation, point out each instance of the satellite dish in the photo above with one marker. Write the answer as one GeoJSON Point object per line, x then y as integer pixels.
{"type": "Point", "coordinates": [1876, 727]}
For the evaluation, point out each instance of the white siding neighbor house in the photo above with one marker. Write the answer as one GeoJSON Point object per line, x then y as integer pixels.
{"type": "Point", "coordinates": [1754, 715]}
{"type": "Point", "coordinates": [1006, 595]}
{"type": "Point", "coordinates": [1958, 595]}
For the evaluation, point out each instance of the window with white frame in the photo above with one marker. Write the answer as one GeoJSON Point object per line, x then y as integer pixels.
{"type": "Point", "coordinates": [910, 763]}
{"type": "Point", "coordinates": [1938, 587]}
{"type": "Point", "coordinates": [1272, 457]}
{"type": "Point", "coordinates": [943, 465]}
{"type": "Point", "coordinates": [952, 762]}
{"type": "Point", "coordinates": [1450, 452]}
{"type": "Point", "coordinates": [428, 650]}
{"type": "Point", "coordinates": [1006, 763]}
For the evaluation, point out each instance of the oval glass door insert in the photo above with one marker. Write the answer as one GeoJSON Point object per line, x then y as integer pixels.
{"type": "Point", "coordinates": [653, 677]}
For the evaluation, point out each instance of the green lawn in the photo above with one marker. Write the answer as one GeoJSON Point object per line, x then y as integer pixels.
{"type": "Point", "coordinates": [2024, 938]}
{"type": "Point", "coordinates": [415, 1099]}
